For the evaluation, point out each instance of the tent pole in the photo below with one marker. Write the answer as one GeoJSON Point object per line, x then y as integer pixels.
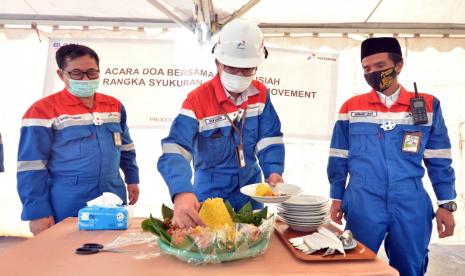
{"type": "Point", "coordinates": [373, 11]}
{"type": "Point", "coordinates": [171, 15]}
{"type": "Point", "coordinates": [240, 12]}
{"type": "Point", "coordinates": [205, 18]}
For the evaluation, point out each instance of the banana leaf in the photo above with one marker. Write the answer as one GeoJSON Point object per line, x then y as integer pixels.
{"type": "Point", "coordinates": [147, 225]}
{"type": "Point", "coordinates": [166, 212]}
{"type": "Point", "coordinates": [160, 228]}
{"type": "Point", "coordinates": [233, 248]}
{"type": "Point", "coordinates": [246, 208]}
{"type": "Point", "coordinates": [230, 209]}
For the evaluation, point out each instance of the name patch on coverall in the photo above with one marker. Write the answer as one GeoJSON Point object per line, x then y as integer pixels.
{"type": "Point", "coordinates": [363, 114]}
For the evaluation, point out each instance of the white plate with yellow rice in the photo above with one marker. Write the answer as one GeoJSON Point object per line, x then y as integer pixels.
{"type": "Point", "coordinates": [261, 192]}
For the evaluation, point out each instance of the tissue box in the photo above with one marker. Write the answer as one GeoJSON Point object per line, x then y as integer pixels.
{"type": "Point", "coordinates": [103, 218]}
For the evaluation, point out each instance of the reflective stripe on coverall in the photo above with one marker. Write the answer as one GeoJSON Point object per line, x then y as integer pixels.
{"type": "Point", "coordinates": [385, 197]}
{"type": "Point", "coordinates": [202, 133]}
{"type": "Point", "coordinates": [68, 156]}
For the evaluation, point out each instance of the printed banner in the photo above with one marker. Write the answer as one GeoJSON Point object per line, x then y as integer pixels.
{"type": "Point", "coordinates": [152, 78]}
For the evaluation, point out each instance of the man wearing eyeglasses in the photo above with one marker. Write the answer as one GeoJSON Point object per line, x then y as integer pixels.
{"type": "Point", "coordinates": [227, 127]}
{"type": "Point", "coordinates": [73, 144]}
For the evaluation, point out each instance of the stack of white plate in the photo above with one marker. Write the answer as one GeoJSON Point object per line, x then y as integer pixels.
{"type": "Point", "coordinates": [304, 213]}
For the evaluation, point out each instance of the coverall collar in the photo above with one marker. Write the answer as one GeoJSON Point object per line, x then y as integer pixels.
{"type": "Point", "coordinates": [222, 95]}
{"type": "Point", "coordinates": [404, 97]}
{"type": "Point", "coordinates": [70, 99]}
{"type": "Point", "coordinates": [389, 101]}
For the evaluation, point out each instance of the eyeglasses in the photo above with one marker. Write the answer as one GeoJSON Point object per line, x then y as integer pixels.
{"type": "Point", "coordinates": [235, 70]}
{"type": "Point", "coordinates": [92, 74]}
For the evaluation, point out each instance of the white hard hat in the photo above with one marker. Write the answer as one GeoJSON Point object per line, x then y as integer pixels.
{"type": "Point", "coordinates": [240, 44]}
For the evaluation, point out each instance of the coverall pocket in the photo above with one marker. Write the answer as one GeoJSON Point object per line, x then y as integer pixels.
{"type": "Point", "coordinates": [68, 194]}
{"type": "Point", "coordinates": [355, 182]}
{"type": "Point", "coordinates": [361, 135]}
{"type": "Point", "coordinates": [413, 130]}
{"type": "Point", "coordinates": [71, 140]}
{"type": "Point", "coordinates": [250, 135]}
{"type": "Point", "coordinates": [214, 145]}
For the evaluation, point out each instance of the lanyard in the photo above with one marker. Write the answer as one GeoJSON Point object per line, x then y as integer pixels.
{"type": "Point", "coordinates": [239, 149]}
{"type": "Point", "coordinates": [233, 125]}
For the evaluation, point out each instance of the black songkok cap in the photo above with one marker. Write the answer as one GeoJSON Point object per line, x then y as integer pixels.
{"type": "Point", "coordinates": [377, 45]}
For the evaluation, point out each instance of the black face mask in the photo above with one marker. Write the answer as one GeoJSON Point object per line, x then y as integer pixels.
{"type": "Point", "coordinates": [381, 80]}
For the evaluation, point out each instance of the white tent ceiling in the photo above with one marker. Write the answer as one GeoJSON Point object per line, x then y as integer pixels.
{"type": "Point", "coordinates": [346, 11]}
{"type": "Point", "coordinates": [274, 16]}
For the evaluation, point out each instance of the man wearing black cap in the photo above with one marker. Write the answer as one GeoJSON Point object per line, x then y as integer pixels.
{"type": "Point", "coordinates": [377, 142]}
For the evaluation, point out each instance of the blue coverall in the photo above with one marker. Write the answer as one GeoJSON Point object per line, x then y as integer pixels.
{"type": "Point", "coordinates": [384, 198]}
{"type": "Point", "coordinates": [70, 154]}
{"type": "Point", "coordinates": [202, 133]}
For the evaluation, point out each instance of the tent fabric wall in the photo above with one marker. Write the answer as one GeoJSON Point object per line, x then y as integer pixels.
{"type": "Point", "coordinates": [434, 63]}
{"type": "Point", "coordinates": [22, 75]}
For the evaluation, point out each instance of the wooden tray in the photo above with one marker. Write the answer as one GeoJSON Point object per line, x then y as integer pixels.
{"type": "Point", "coordinates": [361, 252]}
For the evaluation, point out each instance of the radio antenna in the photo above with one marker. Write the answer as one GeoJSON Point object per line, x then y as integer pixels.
{"type": "Point", "coordinates": [415, 87]}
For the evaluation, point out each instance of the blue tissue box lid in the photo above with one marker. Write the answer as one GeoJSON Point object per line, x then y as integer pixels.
{"type": "Point", "coordinates": [103, 218]}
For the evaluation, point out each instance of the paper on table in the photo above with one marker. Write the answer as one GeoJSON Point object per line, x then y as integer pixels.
{"type": "Point", "coordinates": [331, 235]}
{"type": "Point", "coordinates": [324, 238]}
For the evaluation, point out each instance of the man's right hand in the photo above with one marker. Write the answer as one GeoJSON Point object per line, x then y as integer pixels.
{"type": "Point", "coordinates": [38, 225]}
{"type": "Point", "coordinates": [336, 211]}
{"type": "Point", "coordinates": [186, 207]}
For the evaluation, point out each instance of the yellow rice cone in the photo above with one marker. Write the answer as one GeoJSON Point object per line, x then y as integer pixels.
{"type": "Point", "coordinates": [214, 213]}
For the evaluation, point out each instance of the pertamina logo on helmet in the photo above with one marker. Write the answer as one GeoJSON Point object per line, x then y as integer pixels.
{"type": "Point", "coordinates": [241, 44]}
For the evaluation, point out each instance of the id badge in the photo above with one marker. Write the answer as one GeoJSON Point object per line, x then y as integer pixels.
{"type": "Point", "coordinates": [240, 156]}
{"type": "Point", "coordinates": [411, 142]}
{"type": "Point", "coordinates": [117, 139]}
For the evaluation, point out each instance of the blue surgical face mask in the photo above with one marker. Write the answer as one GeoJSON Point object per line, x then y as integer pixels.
{"type": "Point", "coordinates": [83, 88]}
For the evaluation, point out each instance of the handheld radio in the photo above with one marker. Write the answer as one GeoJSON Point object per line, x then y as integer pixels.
{"type": "Point", "coordinates": [418, 108]}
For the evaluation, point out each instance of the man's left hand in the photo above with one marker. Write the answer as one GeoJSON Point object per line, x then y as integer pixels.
{"type": "Point", "coordinates": [133, 193]}
{"type": "Point", "coordinates": [445, 222]}
{"type": "Point", "coordinates": [274, 179]}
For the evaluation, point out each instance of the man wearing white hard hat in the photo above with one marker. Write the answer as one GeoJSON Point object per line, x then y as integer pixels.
{"type": "Point", "coordinates": [227, 127]}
